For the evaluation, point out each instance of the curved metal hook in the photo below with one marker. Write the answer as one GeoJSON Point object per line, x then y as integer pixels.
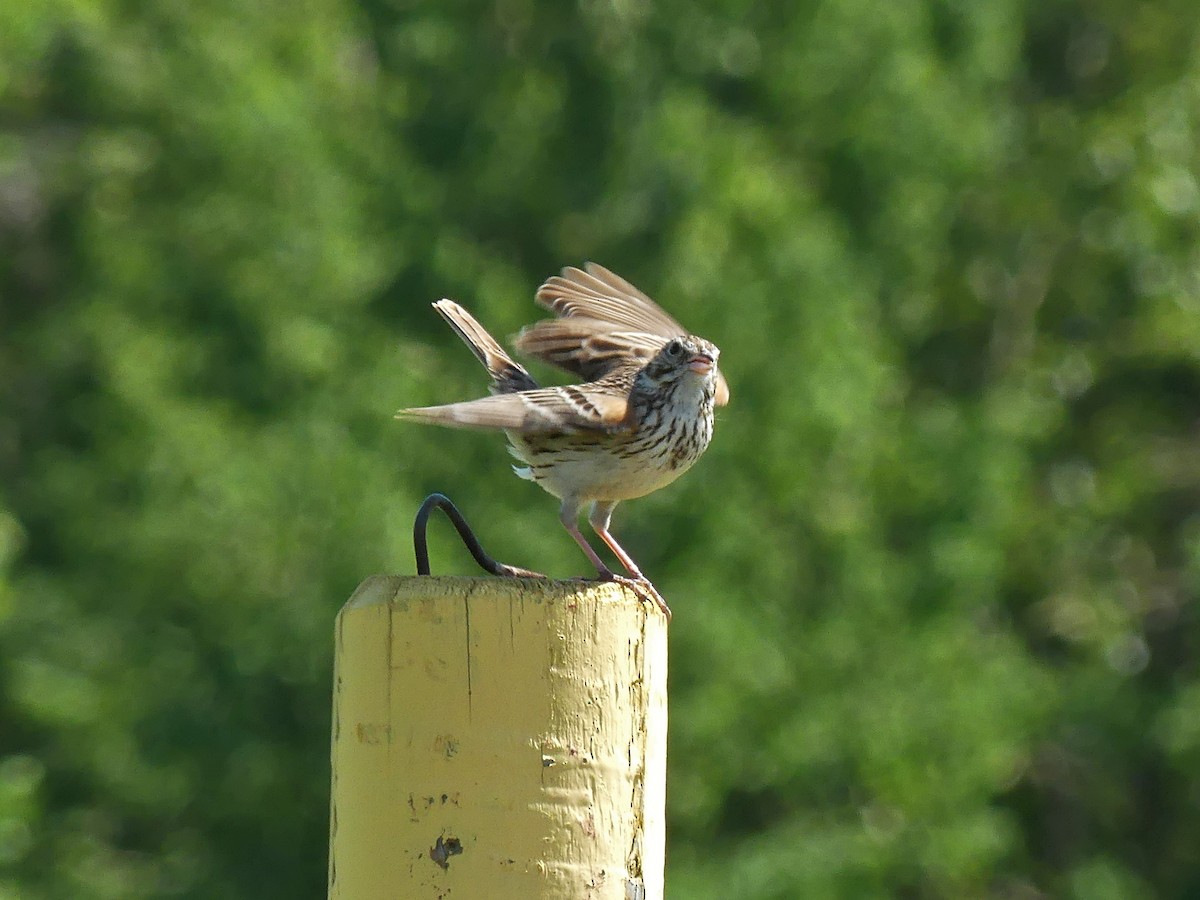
{"type": "Point", "coordinates": [421, 546]}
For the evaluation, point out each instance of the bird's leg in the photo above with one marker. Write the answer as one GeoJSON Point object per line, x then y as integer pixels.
{"type": "Point", "coordinates": [568, 514]}
{"type": "Point", "coordinates": [599, 518]}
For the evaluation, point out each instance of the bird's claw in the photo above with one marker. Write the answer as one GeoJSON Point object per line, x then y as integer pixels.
{"type": "Point", "coordinates": [645, 590]}
{"type": "Point", "coordinates": [640, 585]}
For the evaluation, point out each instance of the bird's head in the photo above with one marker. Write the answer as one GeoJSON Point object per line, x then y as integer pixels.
{"type": "Point", "coordinates": [684, 361]}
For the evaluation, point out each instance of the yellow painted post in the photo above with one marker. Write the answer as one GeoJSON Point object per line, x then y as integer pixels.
{"type": "Point", "coordinates": [498, 739]}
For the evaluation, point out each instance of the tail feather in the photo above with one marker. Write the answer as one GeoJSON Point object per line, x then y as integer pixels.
{"type": "Point", "coordinates": [508, 376]}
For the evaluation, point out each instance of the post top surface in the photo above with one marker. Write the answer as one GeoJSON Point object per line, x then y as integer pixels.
{"type": "Point", "coordinates": [383, 589]}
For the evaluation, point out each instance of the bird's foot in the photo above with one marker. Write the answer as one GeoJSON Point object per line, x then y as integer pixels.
{"type": "Point", "coordinates": [645, 590]}
{"type": "Point", "coordinates": [639, 584]}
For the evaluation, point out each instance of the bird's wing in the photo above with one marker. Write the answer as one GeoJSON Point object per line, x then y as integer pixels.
{"type": "Point", "coordinates": [572, 408]}
{"type": "Point", "coordinates": [598, 294]}
{"type": "Point", "coordinates": [587, 347]}
{"type": "Point", "coordinates": [602, 321]}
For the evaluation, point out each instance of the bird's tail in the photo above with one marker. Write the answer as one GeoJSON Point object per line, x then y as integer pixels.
{"type": "Point", "coordinates": [508, 376]}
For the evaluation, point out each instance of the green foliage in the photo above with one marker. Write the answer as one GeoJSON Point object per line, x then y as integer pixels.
{"type": "Point", "coordinates": [935, 581]}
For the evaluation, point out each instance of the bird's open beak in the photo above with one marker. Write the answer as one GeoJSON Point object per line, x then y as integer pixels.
{"type": "Point", "coordinates": [701, 363]}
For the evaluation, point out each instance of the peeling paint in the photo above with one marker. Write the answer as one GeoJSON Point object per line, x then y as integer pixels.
{"type": "Point", "coordinates": [445, 848]}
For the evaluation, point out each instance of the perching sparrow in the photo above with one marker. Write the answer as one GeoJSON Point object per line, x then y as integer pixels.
{"type": "Point", "coordinates": [641, 419]}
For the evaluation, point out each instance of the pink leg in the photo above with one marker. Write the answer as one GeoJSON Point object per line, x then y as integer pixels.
{"type": "Point", "coordinates": [600, 515]}
{"type": "Point", "coordinates": [599, 518]}
{"type": "Point", "coordinates": [568, 514]}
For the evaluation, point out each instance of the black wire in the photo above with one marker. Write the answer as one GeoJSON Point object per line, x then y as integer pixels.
{"type": "Point", "coordinates": [421, 545]}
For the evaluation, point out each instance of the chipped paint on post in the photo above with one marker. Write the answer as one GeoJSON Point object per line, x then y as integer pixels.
{"type": "Point", "coordinates": [498, 738]}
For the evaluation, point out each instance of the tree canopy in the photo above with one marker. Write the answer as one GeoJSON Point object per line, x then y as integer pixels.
{"type": "Point", "coordinates": [934, 583]}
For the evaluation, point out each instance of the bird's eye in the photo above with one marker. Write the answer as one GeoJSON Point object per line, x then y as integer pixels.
{"type": "Point", "coordinates": [675, 348]}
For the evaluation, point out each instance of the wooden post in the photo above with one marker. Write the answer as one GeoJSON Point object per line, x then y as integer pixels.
{"type": "Point", "coordinates": [498, 739]}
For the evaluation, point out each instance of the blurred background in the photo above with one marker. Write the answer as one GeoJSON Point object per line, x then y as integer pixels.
{"type": "Point", "coordinates": [935, 580]}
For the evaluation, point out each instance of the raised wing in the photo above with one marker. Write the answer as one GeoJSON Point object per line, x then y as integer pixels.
{"type": "Point", "coordinates": [602, 321]}
{"type": "Point", "coordinates": [598, 294]}
{"type": "Point", "coordinates": [587, 347]}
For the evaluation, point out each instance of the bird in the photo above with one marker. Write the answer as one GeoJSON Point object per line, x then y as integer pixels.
{"type": "Point", "coordinates": [641, 417]}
